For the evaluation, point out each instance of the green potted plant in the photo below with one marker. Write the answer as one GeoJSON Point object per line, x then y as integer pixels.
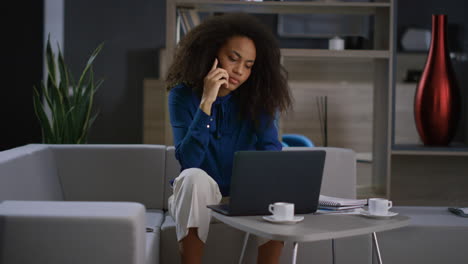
{"type": "Point", "coordinates": [69, 103]}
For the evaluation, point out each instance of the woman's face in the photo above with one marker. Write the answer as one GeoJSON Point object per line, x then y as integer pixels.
{"type": "Point", "coordinates": [237, 57]}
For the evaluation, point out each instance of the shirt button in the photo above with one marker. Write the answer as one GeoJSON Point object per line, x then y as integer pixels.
{"type": "Point", "coordinates": [211, 119]}
{"type": "Point", "coordinates": [208, 126]}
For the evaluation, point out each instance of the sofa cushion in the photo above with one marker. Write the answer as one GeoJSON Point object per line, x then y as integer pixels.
{"type": "Point", "coordinates": [154, 220]}
{"type": "Point", "coordinates": [112, 173]}
{"type": "Point", "coordinates": [29, 173]}
{"type": "Point", "coordinates": [152, 247]}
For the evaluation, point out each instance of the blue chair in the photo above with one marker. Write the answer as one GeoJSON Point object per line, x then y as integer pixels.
{"type": "Point", "coordinates": [296, 140]}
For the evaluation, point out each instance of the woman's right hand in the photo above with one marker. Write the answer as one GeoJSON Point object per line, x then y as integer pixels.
{"type": "Point", "coordinates": [212, 82]}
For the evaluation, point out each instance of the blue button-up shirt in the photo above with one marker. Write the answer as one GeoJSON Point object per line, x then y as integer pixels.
{"type": "Point", "coordinates": [209, 142]}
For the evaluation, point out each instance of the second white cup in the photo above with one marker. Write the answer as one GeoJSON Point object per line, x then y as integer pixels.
{"type": "Point", "coordinates": [282, 211]}
{"type": "Point", "coordinates": [379, 206]}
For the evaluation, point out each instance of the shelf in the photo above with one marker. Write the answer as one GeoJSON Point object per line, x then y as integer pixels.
{"type": "Point", "coordinates": [276, 7]}
{"type": "Point", "coordinates": [416, 149]}
{"type": "Point", "coordinates": [322, 53]}
{"type": "Point", "coordinates": [322, 65]}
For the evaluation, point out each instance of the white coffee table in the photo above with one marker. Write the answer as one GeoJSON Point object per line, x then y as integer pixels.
{"type": "Point", "coordinates": [314, 227]}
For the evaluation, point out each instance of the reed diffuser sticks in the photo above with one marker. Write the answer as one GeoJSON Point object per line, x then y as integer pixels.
{"type": "Point", "coordinates": [322, 110]}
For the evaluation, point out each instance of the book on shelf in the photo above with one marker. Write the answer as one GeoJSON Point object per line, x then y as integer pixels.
{"type": "Point", "coordinates": [183, 20]}
{"type": "Point", "coordinates": [334, 202]}
{"type": "Point", "coordinates": [188, 19]}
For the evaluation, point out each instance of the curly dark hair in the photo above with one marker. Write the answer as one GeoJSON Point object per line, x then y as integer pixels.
{"type": "Point", "coordinates": [266, 91]}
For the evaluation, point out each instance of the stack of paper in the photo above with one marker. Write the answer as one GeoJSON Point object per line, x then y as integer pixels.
{"type": "Point", "coordinates": [354, 211]}
{"type": "Point", "coordinates": [335, 203]}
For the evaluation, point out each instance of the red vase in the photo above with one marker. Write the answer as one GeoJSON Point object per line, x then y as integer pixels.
{"type": "Point", "coordinates": [437, 99]}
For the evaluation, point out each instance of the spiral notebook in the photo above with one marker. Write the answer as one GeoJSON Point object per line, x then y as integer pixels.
{"type": "Point", "coordinates": [329, 201]}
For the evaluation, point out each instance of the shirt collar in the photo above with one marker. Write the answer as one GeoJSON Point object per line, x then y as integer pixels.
{"type": "Point", "coordinates": [222, 100]}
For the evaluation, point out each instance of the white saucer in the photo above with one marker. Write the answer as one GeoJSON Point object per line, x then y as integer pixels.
{"type": "Point", "coordinates": [388, 215]}
{"type": "Point", "coordinates": [271, 219]}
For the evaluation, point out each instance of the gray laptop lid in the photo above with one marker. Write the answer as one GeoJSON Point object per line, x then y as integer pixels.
{"type": "Point", "coordinates": [260, 178]}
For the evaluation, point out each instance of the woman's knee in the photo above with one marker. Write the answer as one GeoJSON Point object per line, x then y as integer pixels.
{"type": "Point", "coordinates": [195, 177]}
{"type": "Point", "coordinates": [197, 181]}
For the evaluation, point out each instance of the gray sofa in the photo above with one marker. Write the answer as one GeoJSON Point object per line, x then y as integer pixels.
{"type": "Point", "coordinates": [94, 204]}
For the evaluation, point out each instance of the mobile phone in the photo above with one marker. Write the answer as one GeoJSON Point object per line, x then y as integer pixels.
{"type": "Point", "coordinates": [220, 66]}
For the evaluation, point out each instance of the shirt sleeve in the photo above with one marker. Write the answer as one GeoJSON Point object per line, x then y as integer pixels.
{"type": "Point", "coordinates": [267, 135]}
{"type": "Point", "coordinates": [191, 132]}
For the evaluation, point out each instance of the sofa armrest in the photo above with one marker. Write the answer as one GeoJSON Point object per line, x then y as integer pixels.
{"type": "Point", "coordinates": [72, 232]}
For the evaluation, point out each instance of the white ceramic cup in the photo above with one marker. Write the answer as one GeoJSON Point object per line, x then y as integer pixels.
{"type": "Point", "coordinates": [379, 206]}
{"type": "Point", "coordinates": [282, 211]}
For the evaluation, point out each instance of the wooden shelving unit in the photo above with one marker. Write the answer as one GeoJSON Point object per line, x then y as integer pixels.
{"type": "Point", "coordinates": [380, 59]}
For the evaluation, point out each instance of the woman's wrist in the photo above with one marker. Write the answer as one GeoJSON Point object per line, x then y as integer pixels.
{"type": "Point", "coordinates": [205, 106]}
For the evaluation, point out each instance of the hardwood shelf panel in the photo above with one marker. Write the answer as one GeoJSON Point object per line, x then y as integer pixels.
{"type": "Point", "coordinates": [323, 53]}
{"type": "Point", "coordinates": [276, 7]}
{"type": "Point", "coordinates": [414, 149]}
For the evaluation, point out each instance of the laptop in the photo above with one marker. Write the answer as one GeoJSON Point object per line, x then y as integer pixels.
{"type": "Point", "coordinates": [260, 178]}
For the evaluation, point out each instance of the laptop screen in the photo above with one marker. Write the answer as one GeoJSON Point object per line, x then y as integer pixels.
{"type": "Point", "coordinates": [261, 178]}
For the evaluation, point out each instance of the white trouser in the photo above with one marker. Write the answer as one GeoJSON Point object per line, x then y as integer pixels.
{"type": "Point", "coordinates": [193, 190]}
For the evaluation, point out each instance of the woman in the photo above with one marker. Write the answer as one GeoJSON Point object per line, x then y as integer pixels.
{"type": "Point", "coordinates": [226, 86]}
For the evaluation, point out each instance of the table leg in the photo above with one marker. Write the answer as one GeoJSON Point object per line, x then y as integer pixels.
{"type": "Point", "coordinates": [246, 239]}
{"type": "Point", "coordinates": [333, 251]}
{"type": "Point", "coordinates": [294, 256]}
{"type": "Point", "coordinates": [377, 249]}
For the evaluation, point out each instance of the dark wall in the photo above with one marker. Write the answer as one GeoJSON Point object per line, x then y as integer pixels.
{"type": "Point", "coordinates": [133, 32]}
{"type": "Point", "coordinates": [22, 59]}
{"type": "Point", "coordinates": [417, 13]}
